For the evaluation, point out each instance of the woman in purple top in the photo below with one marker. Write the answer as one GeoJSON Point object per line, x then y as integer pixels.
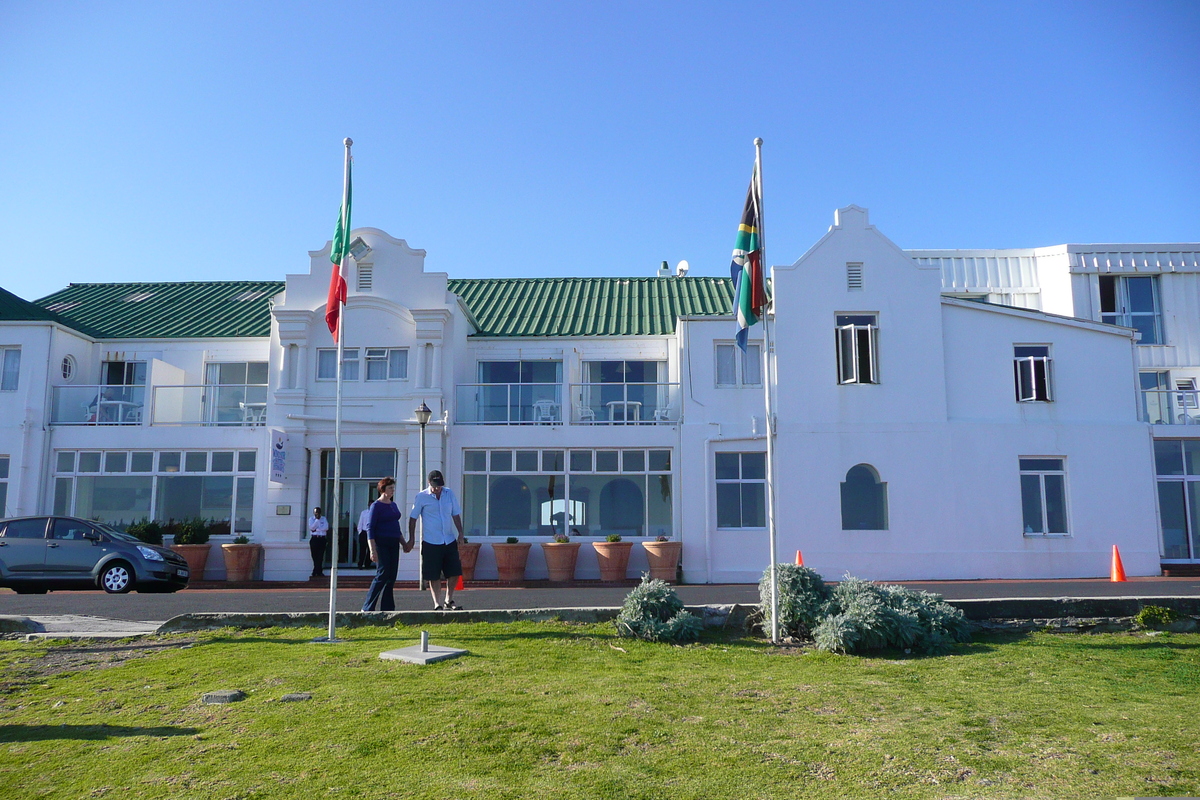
{"type": "Point", "coordinates": [385, 538]}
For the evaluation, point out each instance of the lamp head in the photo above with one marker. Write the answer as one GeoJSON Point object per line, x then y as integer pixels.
{"type": "Point", "coordinates": [423, 414]}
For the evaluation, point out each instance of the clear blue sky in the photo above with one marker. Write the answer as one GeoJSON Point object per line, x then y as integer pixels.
{"type": "Point", "coordinates": [173, 141]}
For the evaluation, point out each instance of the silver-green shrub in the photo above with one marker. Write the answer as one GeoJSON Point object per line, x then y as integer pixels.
{"type": "Point", "coordinates": [802, 598]}
{"type": "Point", "coordinates": [867, 616]}
{"type": "Point", "coordinates": [652, 611]}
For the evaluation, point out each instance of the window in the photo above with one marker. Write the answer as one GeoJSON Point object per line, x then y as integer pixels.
{"type": "Point", "coordinates": [864, 500]}
{"type": "Point", "coordinates": [735, 368]}
{"type": "Point", "coordinates": [384, 364]}
{"type": "Point", "coordinates": [580, 492]}
{"type": "Point", "coordinates": [26, 529]}
{"type": "Point", "coordinates": [515, 392]}
{"type": "Point", "coordinates": [1187, 393]}
{"type": "Point", "coordinates": [1177, 463]}
{"type": "Point", "coordinates": [124, 373]}
{"type": "Point", "coordinates": [741, 490]}
{"type": "Point", "coordinates": [1133, 302]}
{"type": "Point", "coordinates": [120, 495]}
{"type": "Point", "coordinates": [1031, 370]}
{"type": "Point", "coordinates": [624, 391]}
{"type": "Point", "coordinates": [857, 340]}
{"type": "Point", "coordinates": [1043, 496]}
{"type": "Point", "coordinates": [67, 368]}
{"type": "Point", "coordinates": [327, 364]}
{"type": "Point", "coordinates": [4, 485]}
{"type": "Point", "coordinates": [10, 368]}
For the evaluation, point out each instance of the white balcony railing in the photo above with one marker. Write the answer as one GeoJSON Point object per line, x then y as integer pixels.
{"type": "Point", "coordinates": [508, 404]}
{"type": "Point", "coordinates": [625, 403]}
{"type": "Point", "coordinates": [210, 405]}
{"type": "Point", "coordinates": [98, 405]}
{"type": "Point", "coordinates": [1171, 407]}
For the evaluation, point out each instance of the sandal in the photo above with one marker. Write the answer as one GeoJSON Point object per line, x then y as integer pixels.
{"type": "Point", "coordinates": [453, 606]}
{"type": "Point", "coordinates": [438, 607]}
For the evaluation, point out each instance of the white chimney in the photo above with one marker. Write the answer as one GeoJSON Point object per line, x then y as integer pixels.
{"type": "Point", "coordinates": [664, 271]}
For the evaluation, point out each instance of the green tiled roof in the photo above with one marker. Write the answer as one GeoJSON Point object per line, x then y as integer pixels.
{"type": "Point", "coordinates": [589, 306]}
{"type": "Point", "coordinates": [16, 308]}
{"type": "Point", "coordinates": [501, 306]}
{"type": "Point", "coordinates": [187, 310]}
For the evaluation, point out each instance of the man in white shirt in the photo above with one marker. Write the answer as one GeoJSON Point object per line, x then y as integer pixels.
{"type": "Point", "coordinates": [364, 553]}
{"type": "Point", "coordinates": [440, 514]}
{"type": "Point", "coordinates": [318, 533]}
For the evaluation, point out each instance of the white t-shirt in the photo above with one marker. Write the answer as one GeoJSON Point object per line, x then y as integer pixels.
{"type": "Point", "coordinates": [318, 527]}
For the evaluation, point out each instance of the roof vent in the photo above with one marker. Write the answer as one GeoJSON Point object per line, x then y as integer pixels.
{"type": "Point", "coordinates": [664, 271]}
{"type": "Point", "coordinates": [366, 273]}
{"type": "Point", "coordinates": [62, 306]}
{"type": "Point", "coordinates": [137, 297]}
{"type": "Point", "coordinates": [854, 277]}
{"type": "Point", "coordinates": [247, 296]}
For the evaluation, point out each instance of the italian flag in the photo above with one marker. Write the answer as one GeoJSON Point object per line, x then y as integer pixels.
{"type": "Point", "coordinates": [337, 254]}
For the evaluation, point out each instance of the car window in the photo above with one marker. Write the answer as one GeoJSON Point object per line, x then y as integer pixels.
{"type": "Point", "coordinates": [26, 529]}
{"type": "Point", "coordinates": [120, 536]}
{"type": "Point", "coordinates": [70, 529]}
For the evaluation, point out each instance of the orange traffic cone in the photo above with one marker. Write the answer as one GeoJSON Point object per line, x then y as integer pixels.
{"type": "Point", "coordinates": [799, 559]}
{"type": "Point", "coordinates": [1117, 574]}
{"type": "Point", "coordinates": [458, 587]}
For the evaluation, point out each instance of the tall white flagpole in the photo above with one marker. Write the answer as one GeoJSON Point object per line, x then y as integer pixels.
{"type": "Point", "coordinates": [335, 514]}
{"type": "Point", "coordinates": [768, 382]}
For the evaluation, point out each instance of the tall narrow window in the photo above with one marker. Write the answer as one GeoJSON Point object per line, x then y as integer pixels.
{"type": "Point", "coordinates": [1132, 301]}
{"type": "Point", "coordinates": [4, 485]}
{"type": "Point", "coordinates": [10, 369]}
{"type": "Point", "coordinates": [1031, 371]}
{"type": "Point", "coordinates": [1177, 464]}
{"type": "Point", "coordinates": [1043, 496]}
{"type": "Point", "coordinates": [864, 500]}
{"type": "Point", "coordinates": [1156, 397]}
{"type": "Point", "coordinates": [857, 341]}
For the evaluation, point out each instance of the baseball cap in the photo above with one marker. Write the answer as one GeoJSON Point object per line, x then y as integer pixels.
{"type": "Point", "coordinates": [435, 478]}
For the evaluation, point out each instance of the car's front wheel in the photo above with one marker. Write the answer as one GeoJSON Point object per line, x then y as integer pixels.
{"type": "Point", "coordinates": [117, 578]}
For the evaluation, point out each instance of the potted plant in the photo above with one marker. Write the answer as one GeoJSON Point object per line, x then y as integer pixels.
{"type": "Point", "coordinates": [241, 559]}
{"type": "Point", "coordinates": [613, 555]}
{"type": "Point", "coordinates": [663, 555]}
{"type": "Point", "coordinates": [468, 555]}
{"type": "Point", "coordinates": [191, 542]}
{"type": "Point", "coordinates": [147, 530]}
{"type": "Point", "coordinates": [511, 556]}
{"type": "Point", "coordinates": [561, 555]}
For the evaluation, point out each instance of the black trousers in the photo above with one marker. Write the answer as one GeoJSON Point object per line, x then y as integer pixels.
{"type": "Point", "coordinates": [388, 553]}
{"type": "Point", "coordinates": [364, 552]}
{"type": "Point", "coordinates": [316, 546]}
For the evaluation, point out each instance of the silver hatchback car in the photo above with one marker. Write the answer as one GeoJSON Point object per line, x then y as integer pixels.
{"type": "Point", "coordinates": [38, 554]}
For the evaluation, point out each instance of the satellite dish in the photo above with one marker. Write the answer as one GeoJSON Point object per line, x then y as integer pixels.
{"type": "Point", "coordinates": [681, 269]}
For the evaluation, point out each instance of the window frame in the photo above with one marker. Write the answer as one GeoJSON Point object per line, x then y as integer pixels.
{"type": "Point", "coordinates": [371, 356]}
{"type": "Point", "coordinates": [851, 341]}
{"type": "Point", "coordinates": [1041, 474]}
{"type": "Point", "coordinates": [1026, 375]}
{"type": "Point", "coordinates": [1123, 315]}
{"type": "Point", "coordinates": [741, 482]}
{"type": "Point", "coordinates": [5, 373]}
{"type": "Point", "coordinates": [740, 360]}
{"type": "Point", "coordinates": [347, 361]}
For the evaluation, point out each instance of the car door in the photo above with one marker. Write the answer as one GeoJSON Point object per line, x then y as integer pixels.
{"type": "Point", "coordinates": [23, 546]}
{"type": "Point", "coordinates": [69, 554]}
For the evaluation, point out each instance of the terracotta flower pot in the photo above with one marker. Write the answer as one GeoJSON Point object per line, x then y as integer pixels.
{"type": "Point", "coordinates": [664, 559]}
{"type": "Point", "coordinates": [613, 558]}
{"type": "Point", "coordinates": [510, 560]}
{"type": "Point", "coordinates": [196, 556]}
{"type": "Point", "coordinates": [468, 554]}
{"type": "Point", "coordinates": [240, 561]}
{"type": "Point", "coordinates": [560, 559]}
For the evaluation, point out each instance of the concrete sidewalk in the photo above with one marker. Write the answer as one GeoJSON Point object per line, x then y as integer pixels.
{"type": "Point", "coordinates": [75, 626]}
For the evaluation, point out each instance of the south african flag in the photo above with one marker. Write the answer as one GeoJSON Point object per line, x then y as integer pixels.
{"type": "Point", "coordinates": [746, 270]}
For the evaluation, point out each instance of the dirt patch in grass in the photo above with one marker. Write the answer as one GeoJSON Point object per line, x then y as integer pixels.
{"type": "Point", "coordinates": [75, 657]}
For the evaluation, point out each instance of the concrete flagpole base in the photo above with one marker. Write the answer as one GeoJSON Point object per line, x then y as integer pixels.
{"type": "Point", "coordinates": [423, 653]}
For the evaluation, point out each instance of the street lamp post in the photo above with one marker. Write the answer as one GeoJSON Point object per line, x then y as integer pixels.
{"type": "Point", "coordinates": [423, 413]}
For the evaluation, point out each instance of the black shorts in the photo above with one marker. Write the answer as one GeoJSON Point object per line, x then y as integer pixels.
{"type": "Point", "coordinates": [440, 560]}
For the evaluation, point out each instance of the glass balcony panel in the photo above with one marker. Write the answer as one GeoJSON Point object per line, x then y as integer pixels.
{"type": "Point", "coordinates": [210, 405]}
{"type": "Point", "coordinates": [508, 403]}
{"type": "Point", "coordinates": [97, 405]}
{"type": "Point", "coordinates": [1170, 407]}
{"type": "Point", "coordinates": [625, 403]}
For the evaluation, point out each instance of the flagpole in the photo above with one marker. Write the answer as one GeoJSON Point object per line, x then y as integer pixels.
{"type": "Point", "coordinates": [768, 311]}
{"type": "Point", "coordinates": [337, 413]}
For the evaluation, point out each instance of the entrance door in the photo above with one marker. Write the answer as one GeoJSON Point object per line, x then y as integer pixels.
{"type": "Point", "coordinates": [356, 495]}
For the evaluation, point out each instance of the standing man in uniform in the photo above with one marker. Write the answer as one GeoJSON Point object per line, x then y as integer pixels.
{"type": "Point", "coordinates": [318, 531]}
{"type": "Point", "coordinates": [364, 522]}
{"type": "Point", "coordinates": [441, 531]}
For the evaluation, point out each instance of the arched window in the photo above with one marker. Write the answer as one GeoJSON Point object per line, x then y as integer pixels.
{"type": "Point", "coordinates": [864, 500]}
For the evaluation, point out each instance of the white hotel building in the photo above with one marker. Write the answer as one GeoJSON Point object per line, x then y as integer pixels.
{"type": "Point", "coordinates": [941, 414]}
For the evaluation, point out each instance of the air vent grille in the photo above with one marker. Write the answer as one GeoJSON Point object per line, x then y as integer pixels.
{"type": "Point", "coordinates": [366, 273]}
{"type": "Point", "coordinates": [854, 277]}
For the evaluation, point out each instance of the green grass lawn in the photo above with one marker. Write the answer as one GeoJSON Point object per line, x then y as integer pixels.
{"type": "Point", "coordinates": [566, 711]}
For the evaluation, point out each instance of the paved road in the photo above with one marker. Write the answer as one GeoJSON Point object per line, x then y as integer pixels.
{"type": "Point", "coordinates": [145, 607]}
